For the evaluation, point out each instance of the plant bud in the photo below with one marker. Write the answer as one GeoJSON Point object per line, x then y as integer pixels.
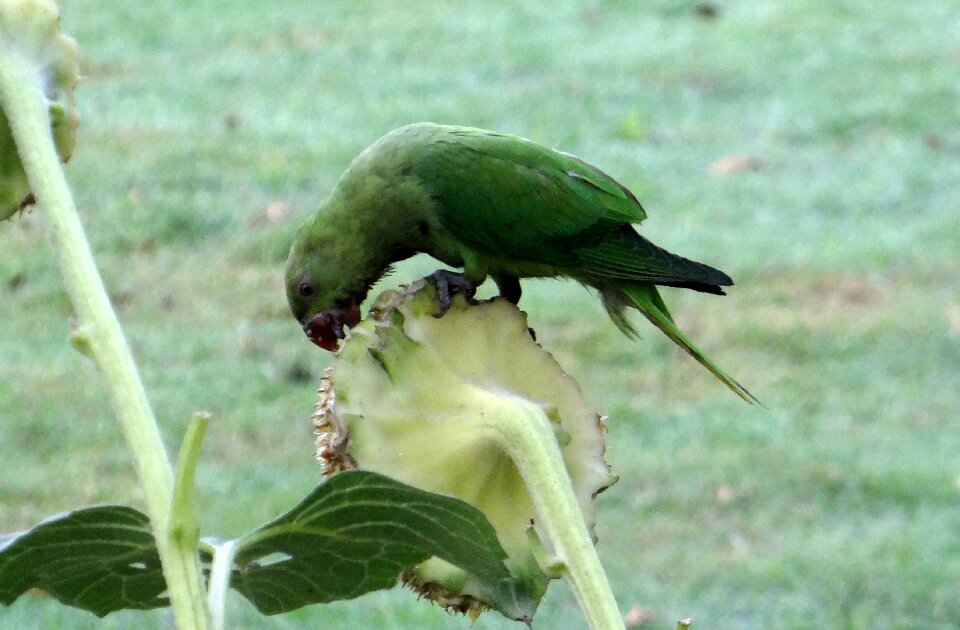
{"type": "Point", "coordinates": [30, 29]}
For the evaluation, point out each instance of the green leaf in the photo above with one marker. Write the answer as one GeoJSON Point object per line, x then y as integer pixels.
{"type": "Point", "coordinates": [100, 559]}
{"type": "Point", "coordinates": [356, 533]}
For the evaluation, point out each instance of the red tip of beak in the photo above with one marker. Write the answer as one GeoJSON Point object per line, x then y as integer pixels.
{"type": "Point", "coordinates": [326, 327]}
{"type": "Point", "coordinates": [322, 330]}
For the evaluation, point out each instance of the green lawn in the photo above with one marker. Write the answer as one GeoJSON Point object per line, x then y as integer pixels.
{"type": "Point", "coordinates": [210, 130]}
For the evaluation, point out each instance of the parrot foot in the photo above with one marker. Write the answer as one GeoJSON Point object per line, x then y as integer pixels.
{"type": "Point", "coordinates": [448, 284]}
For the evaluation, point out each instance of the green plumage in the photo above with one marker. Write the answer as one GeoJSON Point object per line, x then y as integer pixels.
{"type": "Point", "coordinates": [494, 204]}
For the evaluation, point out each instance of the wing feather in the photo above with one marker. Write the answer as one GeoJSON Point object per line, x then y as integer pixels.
{"type": "Point", "coordinates": [507, 197]}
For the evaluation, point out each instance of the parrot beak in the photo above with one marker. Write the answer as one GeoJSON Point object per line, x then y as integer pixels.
{"type": "Point", "coordinates": [326, 327]}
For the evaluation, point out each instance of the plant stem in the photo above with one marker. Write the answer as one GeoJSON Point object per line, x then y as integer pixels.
{"type": "Point", "coordinates": [525, 432]}
{"type": "Point", "coordinates": [26, 111]}
{"type": "Point", "coordinates": [220, 573]}
{"type": "Point", "coordinates": [184, 527]}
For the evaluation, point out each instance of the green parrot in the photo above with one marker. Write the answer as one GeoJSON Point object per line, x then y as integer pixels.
{"type": "Point", "coordinates": [496, 205]}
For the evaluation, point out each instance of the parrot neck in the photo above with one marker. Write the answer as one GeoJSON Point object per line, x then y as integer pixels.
{"type": "Point", "coordinates": [376, 225]}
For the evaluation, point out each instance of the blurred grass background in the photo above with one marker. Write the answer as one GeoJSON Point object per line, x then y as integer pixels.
{"type": "Point", "coordinates": [809, 149]}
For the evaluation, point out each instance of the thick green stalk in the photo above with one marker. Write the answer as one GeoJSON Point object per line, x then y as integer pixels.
{"type": "Point", "coordinates": [525, 432]}
{"type": "Point", "coordinates": [26, 110]}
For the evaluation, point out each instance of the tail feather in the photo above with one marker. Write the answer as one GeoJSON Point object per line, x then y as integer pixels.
{"type": "Point", "coordinates": [646, 299]}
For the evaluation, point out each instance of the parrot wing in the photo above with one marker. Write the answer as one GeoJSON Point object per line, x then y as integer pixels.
{"type": "Point", "coordinates": [504, 196]}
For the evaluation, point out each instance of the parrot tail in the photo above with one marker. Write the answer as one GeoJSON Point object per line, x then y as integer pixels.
{"type": "Point", "coordinates": [646, 299]}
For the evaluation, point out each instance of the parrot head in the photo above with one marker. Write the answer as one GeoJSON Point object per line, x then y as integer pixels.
{"type": "Point", "coordinates": [321, 295]}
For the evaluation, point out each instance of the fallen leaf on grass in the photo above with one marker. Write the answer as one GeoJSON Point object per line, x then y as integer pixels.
{"type": "Point", "coordinates": [637, 616]}
{"type": "Point", "coordinates": [952, 313]}
{"type": "Point", "coordinates": [933, 141]}
{"type": "Point", "coordinates": [735, 163]}
{"type": "Point", "coordinates": [277, 211]}
{"type": "Point", "coordinates": [706, 11]}
{"type": "Point", "coordinates": [725, 494]}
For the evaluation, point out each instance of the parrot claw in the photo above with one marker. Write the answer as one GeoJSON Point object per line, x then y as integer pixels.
{"type": "Point", "coordinates": [449, 283]}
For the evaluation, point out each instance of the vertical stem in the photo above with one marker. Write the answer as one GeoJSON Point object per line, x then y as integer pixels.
{"type": "Point", "coordinates": [26, 110]}
{"type": "Point", "coordinates": [525, 432]}
{"type": "Point", "coordinates": [183, 519]}
{"type": "Point", "coordinates": [220, 573]}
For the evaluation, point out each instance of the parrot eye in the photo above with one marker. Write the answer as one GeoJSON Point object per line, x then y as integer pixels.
{"type": "Point", "coordinates": [305, 289]}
